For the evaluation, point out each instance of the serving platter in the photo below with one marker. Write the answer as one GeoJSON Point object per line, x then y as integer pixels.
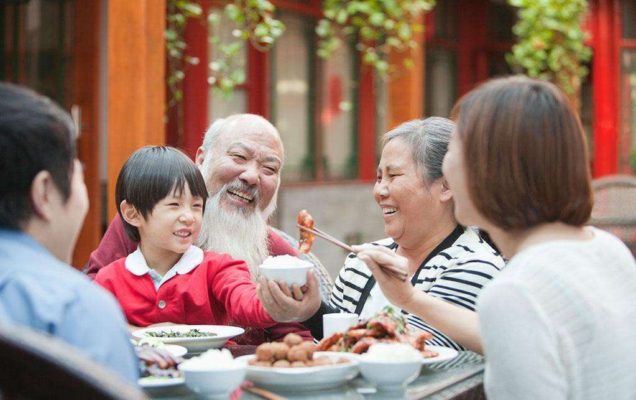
{"type": "Point", "coordinates": [175, 334]}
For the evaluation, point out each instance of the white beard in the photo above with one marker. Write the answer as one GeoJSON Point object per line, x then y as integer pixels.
{"type": "Point", "coordinates": [243, 235]}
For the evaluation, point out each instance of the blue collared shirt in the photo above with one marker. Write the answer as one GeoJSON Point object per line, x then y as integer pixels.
{"type": "Point", "coordinates": [39, 291]}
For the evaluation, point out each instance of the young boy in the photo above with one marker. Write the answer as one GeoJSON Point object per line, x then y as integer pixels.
{"type": "Point", "coordinates": [161, 196]}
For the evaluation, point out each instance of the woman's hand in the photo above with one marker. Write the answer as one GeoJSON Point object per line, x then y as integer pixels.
{"type": "Point", "coordinates": [399, 292]}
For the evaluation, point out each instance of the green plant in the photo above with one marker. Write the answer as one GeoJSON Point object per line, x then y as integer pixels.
{"type": "Point", "coordinates": [376, 26]}
{"type": "Point", "coordinates": [179, 11]}
{"type": "Point", "coordinates": [253, 21]}
{"type": "Point", "coordinates": [551, 43]}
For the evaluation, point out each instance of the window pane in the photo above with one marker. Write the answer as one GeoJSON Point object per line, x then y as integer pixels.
{"type": "Point", "coordinates": [290, 105]}
{"type": "Point", "coordinates": [441, 81]}
{"type": "Point", "coordinates": [219, 104]}
{"type": "Point", "coordinates": [627, 131]}
{"type": "Point", "coordinates": [629, 19]}
{"type": "Point", "coordinates": [381, 117]}
{"type": "Point", "coordinates": [336, 116]}
{"type": "Point", "coordinates": [445, 20]}
{"type": "Point", "coordinates": [501, 18]}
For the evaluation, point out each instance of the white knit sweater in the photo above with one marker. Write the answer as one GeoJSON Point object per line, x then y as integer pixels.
{"type": "Point", "coordinates": [559, 322]}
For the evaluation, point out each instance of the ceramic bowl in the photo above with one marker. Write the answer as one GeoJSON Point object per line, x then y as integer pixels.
{"type": "Point", "coordinates": [214, 381]}
{"type": "Point", "coordinates": [284, 272]}
{"type": "Point", "coordinates": [389, 375]}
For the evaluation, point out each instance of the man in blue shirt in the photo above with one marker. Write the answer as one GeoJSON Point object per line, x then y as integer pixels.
{"type": "Point", "coordinates": [43, 203]}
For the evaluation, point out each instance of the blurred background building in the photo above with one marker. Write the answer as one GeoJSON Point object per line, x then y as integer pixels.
{"type": "Point", "coordinates": [105, 61]}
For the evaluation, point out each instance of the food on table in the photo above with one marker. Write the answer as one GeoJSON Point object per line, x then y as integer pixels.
{"type": "Point", "coordinates": [306, 238]}
{"type": "Point", "coordinates": [283, 262]}
{"type": "Point", "coordinates": [157, 362]}
{"type": "Point", "coordinates": [213, 357]}
{"type": "Point", "coordinates": [392, 352]}
{"type": "Point", "coordinates": [387, 326]}
{"type": "Point", "coordinates": [292, 352]}
{"type": "Point", "coordinates": [192, 333]}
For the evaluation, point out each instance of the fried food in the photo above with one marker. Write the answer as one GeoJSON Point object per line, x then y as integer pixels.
{"type": "Point", "coordinates": [293, 352]}
{"type": "Point", "coordinates": [385, 327]}
{"type": "Point", "coordinates": [306, 238]}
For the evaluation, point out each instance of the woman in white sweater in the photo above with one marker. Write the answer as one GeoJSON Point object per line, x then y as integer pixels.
{"type": "Point", "coordinates": [560, 320]}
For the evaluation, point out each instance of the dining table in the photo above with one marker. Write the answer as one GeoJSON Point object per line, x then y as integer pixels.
{"type": "Point", "coordinates": [457, 378]}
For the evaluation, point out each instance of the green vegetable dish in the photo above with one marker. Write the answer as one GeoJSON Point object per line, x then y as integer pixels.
{"type": "Point", "coordinates": [192, 333]}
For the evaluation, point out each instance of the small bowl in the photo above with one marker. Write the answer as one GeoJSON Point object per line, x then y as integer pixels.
{"type": "Point", "coordinates": [290, 274]}
{"type": "Point", "coordinates": [214, 382]}
{"type": "Point", "coordinates": [389, 375]}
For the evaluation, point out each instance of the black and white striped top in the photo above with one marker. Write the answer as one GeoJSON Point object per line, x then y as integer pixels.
{"type": "Point", "coordinates": [455, 271]}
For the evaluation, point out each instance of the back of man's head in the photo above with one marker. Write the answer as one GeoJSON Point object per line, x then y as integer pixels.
{"type": "Point", "coordinates": [35, 135]}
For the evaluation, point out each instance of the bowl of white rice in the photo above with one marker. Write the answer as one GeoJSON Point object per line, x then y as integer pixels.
{"type": "Point", "coordinates": [213, 374]}
{"type": "Point", "coordinates": [390, 366]}
{"type": "Point", "coordinates": [289, 269]}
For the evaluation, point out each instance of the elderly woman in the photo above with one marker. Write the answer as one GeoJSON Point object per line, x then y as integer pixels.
{"type": "Point", "coordinates": [444, 260]}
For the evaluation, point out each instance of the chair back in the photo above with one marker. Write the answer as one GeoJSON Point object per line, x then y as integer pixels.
{"type": "Point", "coordinates": [37, 366]}
{"type": "Point", "coordinates": [615, 207]}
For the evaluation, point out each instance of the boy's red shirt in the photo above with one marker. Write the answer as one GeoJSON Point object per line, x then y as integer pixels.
{"type": "Point", "coordinates": [219, 291]}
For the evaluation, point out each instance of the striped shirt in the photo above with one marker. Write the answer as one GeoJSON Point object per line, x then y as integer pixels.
{"type": "Point", "coordinates": [455, 271]}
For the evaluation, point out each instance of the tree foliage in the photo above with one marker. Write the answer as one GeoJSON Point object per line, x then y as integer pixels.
{"type": "Point", "coordinates": [376, 27]}
{"type": "Point", "coordinates": [252, 21]}
{"type": "Point", "coordinates": [179, 11]}
{"type": "Point", "coordinates": [551, 43]}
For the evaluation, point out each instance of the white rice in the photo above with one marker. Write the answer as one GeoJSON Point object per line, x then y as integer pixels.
{"type": "Point", "coordinates": [285, 261]}
{"type": "Point", "coordinates": [392, 352]}
{"type": "Point", "coordinates": [211, 358]}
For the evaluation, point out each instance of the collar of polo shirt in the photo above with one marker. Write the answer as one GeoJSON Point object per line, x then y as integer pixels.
{"type": "Point", "coordinates": [136, 263]}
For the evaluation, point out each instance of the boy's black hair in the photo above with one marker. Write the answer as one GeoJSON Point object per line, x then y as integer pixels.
{"type": "Point", "coordinates": [152, 173]}
{"type": "Point", "coordinates": [35, 135]}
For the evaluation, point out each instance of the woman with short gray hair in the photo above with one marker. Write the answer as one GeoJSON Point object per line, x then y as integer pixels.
{"type": "Point", "coordinates": [449, 262]}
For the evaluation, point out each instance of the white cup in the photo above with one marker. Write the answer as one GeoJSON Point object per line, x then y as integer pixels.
{"type": "Point", "coordinates": [337, 322]}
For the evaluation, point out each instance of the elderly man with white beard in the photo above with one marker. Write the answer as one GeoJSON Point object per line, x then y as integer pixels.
{"type": "Point", "coordinates": [241, 159]}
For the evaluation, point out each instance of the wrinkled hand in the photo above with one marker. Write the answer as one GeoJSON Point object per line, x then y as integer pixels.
{"type": "Point", "coordinates": [398, 292]}
{"type": "Point", "coordinates": [286, 304]}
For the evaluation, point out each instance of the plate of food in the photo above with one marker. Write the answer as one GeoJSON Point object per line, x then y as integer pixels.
{"type": "Point", "coordinates": [387, 326]}
{"type": "Point", "coordinates": [159, 365]}
{"type": "Point", "coordinates": [294, 365]}
{"type": "Point", "coordinates": [439, 354]}
{"type": "Point", "coordinates": [195, 338]}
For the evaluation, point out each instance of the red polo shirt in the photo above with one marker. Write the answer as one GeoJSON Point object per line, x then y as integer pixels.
{"type": "Point", "coordinates": [202, 288]}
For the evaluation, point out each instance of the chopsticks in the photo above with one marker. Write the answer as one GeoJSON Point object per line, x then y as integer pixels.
{"type": "Point", "coordinates": [388, 268]}
{"type": "Point", "coordinates": [266, 394]}
{"type": "Point", "coordinates": [327, 237]}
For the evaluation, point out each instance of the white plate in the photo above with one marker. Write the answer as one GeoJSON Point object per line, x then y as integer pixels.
{"type": "Point", "coordinates": [444, 354]}
{"type": "Point", "coordinates": [195, 345]}
{"type": "Point", "coordinates": [303, 379]}
{"type": "Point", "coordinates": [176, 350]}
{"type": "Point", "coordinates": [152, 382]}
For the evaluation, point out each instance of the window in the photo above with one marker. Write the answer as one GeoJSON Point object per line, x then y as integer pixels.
{"type": "Point", "coordinates": [336, 116]}
{"type": "Point", "coordinates": [627, 89]}
{"type": "Point", "coordinates": [312, 104]}
{"type": "Point", "coordinates": [627, 122]}
{"type": "Point", "coordinates": [293, 97]}
{"type": "Point", "coordinates": [219, 104]}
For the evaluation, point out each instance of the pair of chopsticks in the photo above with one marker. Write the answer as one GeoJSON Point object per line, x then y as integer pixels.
{"type": "Point", "coordinates": [388, 268]}
{"type": "Point", "coordinates": [266, 394]}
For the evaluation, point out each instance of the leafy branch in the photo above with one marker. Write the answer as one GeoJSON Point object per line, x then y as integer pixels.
{"type": "Point", "coordinates": [377, 27]}
{"type": "Point", "coordinates": [253, 21]}
{"type": "Point", "coordinates": [551, 43]}
{"type": "Point", "coordinates": [179, 11]}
